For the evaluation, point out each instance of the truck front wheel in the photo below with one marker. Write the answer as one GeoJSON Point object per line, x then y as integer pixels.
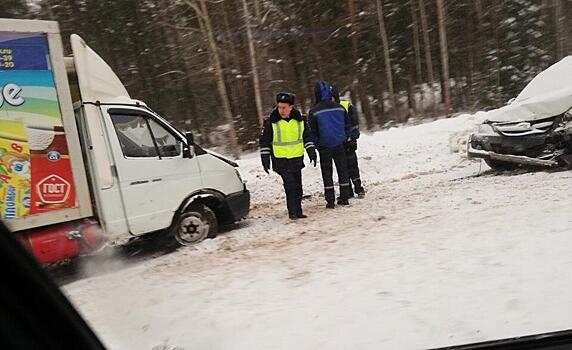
{"type": "Point", "coordinates": [195, 224]}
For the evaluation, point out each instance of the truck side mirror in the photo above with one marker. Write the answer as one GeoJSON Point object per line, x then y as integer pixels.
{"type": "Point", "coordinates": [189, 149]}
{"type": "Point", "coordinates": [190, 138]}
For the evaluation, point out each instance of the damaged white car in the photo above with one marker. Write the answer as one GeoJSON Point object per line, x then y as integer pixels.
{"type": "Point", "coordinates": [534, 129]}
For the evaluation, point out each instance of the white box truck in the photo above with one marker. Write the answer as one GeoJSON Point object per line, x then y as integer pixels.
{"type": "Point", "coordinates": [80, 160]}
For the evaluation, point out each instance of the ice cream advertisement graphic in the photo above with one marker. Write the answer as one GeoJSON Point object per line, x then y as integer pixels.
{"type": "Point", "coordinates": [35, 169]}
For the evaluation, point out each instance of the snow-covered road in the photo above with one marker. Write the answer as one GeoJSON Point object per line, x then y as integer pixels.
{"type": "Point", "coordinates": [433, 256]}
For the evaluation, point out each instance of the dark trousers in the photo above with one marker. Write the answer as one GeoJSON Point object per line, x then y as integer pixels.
{"type": "Point", "coordinates": [338, 156]}
{"type": "Point", "coordinates": [353, 172]}
{"type": "Point", "coordinates": [293, 187]}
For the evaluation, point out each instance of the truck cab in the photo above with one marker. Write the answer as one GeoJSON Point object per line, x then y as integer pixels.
{"type": "Point", "coordinates": [146, 175]}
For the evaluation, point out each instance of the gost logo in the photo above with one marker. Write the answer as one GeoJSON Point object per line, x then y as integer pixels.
{"type": "Point", "coordinates": [54, 156]}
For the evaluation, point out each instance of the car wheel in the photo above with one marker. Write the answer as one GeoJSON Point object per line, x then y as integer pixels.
{"type": "Point", "coordinates": [195, 224]}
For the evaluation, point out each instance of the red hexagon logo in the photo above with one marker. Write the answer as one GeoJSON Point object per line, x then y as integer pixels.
{"type": "Point", "coordinates": [53, 189]}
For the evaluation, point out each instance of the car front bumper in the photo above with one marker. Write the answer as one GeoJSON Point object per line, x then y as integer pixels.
{"type": "Point", "coordinates": [479, 147]}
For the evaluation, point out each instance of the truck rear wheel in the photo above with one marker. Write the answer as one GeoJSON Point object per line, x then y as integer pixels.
{"type": "Point", "coordinates": [195, 224]}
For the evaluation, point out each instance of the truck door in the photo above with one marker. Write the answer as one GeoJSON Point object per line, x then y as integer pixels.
{"type": "Point", "coordinates": [154, 177]}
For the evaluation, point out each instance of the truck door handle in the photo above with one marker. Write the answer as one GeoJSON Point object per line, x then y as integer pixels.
{"type": "Point", "coordinates": [139, 182]}
{"type": "Point", "coordinates": [157, 179]}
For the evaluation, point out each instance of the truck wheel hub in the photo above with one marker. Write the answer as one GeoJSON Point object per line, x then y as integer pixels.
{"type": "Point", "coordinates": [192, 228]}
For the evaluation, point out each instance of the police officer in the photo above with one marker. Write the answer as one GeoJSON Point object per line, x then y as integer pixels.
{"type": "Point", "coordinates": [351, 145]}
{"type": "Point", "coordinates": [329, 123]}
{"type": "Point", "coordinates": [284, 137]}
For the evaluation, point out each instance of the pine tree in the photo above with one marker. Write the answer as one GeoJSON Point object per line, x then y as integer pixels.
{"type": "Point", "coordinates": [522, 50]}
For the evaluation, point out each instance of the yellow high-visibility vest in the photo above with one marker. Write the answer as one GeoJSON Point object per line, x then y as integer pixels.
{"type": "Point", "coordinates": [287, 139]}
{"type": "Point", "coordinates": [345, 104]}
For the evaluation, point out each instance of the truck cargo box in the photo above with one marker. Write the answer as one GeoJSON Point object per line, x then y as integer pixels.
{"type": "Point", "coordinates": [42, 175]}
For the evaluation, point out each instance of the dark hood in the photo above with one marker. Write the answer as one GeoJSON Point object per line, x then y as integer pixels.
{"type": "Point", "coordinates": [322, 91]}
{"type": "Point", "coordinates": [336, 93]}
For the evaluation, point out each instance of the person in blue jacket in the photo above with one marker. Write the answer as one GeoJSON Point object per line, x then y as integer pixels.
{"type": "Point", "coordinates": [329, 125]}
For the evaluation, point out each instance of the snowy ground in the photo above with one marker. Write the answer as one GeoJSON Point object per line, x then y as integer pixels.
{"type": "Point", "coordinates": [433, 256]}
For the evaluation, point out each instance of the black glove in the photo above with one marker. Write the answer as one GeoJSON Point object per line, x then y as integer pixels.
{"type": "Point", "coordinates": [266, 162]}
{"type": "Point", "coordinates": [312, 154]}
{"type": "Point", "coordinates": [351, 145]}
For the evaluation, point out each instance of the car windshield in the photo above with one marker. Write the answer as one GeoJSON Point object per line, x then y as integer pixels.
{"type": "Point", "coordinates": [360, 181]}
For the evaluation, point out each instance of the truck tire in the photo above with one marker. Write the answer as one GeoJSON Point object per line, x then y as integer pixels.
{"type": "Point", "coordinates": [195, 224]}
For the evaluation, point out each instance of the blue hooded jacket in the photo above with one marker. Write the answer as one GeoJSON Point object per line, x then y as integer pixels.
{"type": "Point", "coordinates": [328, 120]}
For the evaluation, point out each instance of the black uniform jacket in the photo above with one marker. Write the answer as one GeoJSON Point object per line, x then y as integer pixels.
{"type": "Point", "coordinates": [282, 164]}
